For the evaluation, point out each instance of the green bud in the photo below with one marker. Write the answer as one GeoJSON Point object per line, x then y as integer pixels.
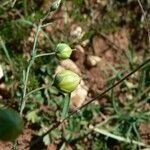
{"type": "Point", "coordinates": [11, 124]}
{"type": "Point", "coordinates": [66, 81]}
{"type": "Point", "coordinates": [63, 51]}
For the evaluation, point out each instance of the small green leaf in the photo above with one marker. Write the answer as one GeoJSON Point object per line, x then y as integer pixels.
{"type": "Point", "coordinates": [66, 106]}
{"type": "Point", "coordinates": [32, 116]}
{"type": "Point", "coordinates": [46, 139]}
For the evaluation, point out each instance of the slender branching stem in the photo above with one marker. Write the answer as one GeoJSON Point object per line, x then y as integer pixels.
{"type": "Point", "coordinates": [28, 70]}
{"type": "Point", "coordinates": [145, 18]}
{"type": "Point", "coordinates": [35, 90]}
{"type": "Point", "coordinates": [45, 54]}
{"type": "Point", "coordinates": [116, 137]}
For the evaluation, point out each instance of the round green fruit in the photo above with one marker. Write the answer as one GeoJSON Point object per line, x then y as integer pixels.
{"type": "Point", "coordinates": [63, 51]}
{"type": "Point", "coordinates": [11, 124]}
{"type": "Point", "coordinates": [66, 81]}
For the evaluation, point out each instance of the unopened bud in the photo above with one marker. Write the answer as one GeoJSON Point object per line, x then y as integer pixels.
{"type": "Point", "coordinates": [66, 81]}
{"type": "Point", "coordinates": [63, 51]}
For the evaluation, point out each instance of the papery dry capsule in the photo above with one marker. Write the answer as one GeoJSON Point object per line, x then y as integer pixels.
{"type": "Point", "coordinates": [63, 51]}
{"type": "Point", "coordinates": [66, 81]}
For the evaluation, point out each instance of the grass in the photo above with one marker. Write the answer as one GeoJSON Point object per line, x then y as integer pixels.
{"type": "Point", "coordinates": [119, 123]}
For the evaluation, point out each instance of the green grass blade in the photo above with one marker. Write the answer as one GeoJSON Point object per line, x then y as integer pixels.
{"type": "Point", "coordinates": [66, 106]}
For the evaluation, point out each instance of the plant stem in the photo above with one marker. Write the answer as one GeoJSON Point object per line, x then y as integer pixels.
{"type": "Point", "coordinates": [146, 20]}
{"type": "Point", "coordinates": [66, 106]}
{"type": "Point", "coordinates": [45, 25]}
{"type": "Point", "coordinates": [5, 50]}
{"type": "Point", "coordinates": [13, 3]}
{"type": "Point", "coordinates": [45, 54]}
{"type": "Point", "coordinates": [2, 43]}
{"type": "Point", "coordinates": [116, 137]}
{"type": "Point", "coordinates": [15, 146]}
{"type": "Point", "coordinates": [28, 70]}
{"type": "Point", "coordinates": [33, 56]}
{"type": "Point", "coordinates": [35, 90]}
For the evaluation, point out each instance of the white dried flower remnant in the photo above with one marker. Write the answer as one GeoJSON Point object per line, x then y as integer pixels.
{"type": "Point", "coordinates": [55, 5]}
{"type": "Point", "coordinates": [1, 72]}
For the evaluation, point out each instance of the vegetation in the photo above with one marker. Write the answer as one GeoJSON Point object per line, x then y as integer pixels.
{"type": "Point", "coordinates": [115, 113]}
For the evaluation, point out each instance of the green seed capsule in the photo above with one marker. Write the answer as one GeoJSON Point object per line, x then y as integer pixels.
{"type": "Point", "coordinates": [11, 125]}
{"type": "Point", "coordinates": [63, 51]}
{"type": "Point", "coordinates": [66, 81]}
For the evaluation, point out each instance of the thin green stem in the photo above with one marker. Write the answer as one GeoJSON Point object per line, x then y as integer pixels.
{"type": "Point", "coordinates": [5, 3]}
{"type": "Point", "coordinates": [28, 70]}
{"type": "Point", "coordinates": [13, 3]}
{"type": "Point", "coordinates": [116, 137]}
{"type": "Point", "coordinates": [35, 90]}
{"type": "Point", "coordinates": [25, 7]}
{"type": "Point", "coordinates": [138, 97]}
{"type": "Point", "coordinates": [33, 56]}
{"type": "Point", "coordinates": [107, 120]}
{"type": "Point", "coordinates": [66, 106]}
{"type": "Point", "coordinates": [45, 25]}
{"type": "Point", "coordinates": [26, 79]}
{"type": "Point", "coordinates": [5, 50]}
{"type": "Point", "coordinates": [15, 146]}
{"type": "Point", "coordinates": [45, 54]}
{"type": "Point", "coordinates": [2, 43]}
{"type": "Point", "coordinates": [146, 19]}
